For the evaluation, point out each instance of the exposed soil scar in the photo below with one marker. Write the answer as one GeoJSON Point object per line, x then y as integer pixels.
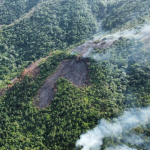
{"type": "Point", "coordinates": [74, 71]}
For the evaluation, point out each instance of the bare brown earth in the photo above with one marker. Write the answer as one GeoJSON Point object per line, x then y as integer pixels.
{"type": "Point", "coordinates": [73, 70]}
{"type": "Point", "coordinates": [32, 69]}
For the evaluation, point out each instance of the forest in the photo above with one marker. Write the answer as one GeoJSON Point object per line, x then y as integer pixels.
{"type": "Point", "coordinates": [13, 10]}
{"type": "Point", "coordinates": [118, 77]}
{"type": "Point", "coordinates": [73, 110]}
{"type": "Point", "coordinates": [128, 15]}
{"type": "Point", "coordinates": [48, 29]}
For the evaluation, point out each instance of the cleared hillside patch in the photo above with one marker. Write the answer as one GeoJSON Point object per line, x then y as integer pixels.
{"type": "Point", "coordinates": [73, 70]}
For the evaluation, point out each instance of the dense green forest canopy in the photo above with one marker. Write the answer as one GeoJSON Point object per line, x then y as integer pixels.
{"type": "Point", "coordinates": [11, 10]}
{"type": "Point", "coordinates": [127, 14]}
{"type": "Point", "coordinates": [55, 25]}
{"type": "Point", "coordinates": [74, 110]}
{"type": "Point", "coordinates": [118, 76]}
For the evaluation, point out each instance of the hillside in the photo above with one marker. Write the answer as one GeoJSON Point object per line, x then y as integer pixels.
{"type": "Point", "coordinates": [13, 10]}
{"type": "Point", "coordinates": [128, 15]}
{"type": "Point", "coordinates": [70, 70]}
{"type": "Point", "coordinates": [45, 31]}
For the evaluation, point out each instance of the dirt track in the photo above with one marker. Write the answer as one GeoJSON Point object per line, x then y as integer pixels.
{"type": "Point", "coordinates": [75, 72]}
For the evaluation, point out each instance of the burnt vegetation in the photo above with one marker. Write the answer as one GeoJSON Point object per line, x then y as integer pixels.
{"type": "Point", "coordinates": [54, 100]}
{"type": "Point", "coordinates": [114, 86]}
{"type": "Point", "coordinates": [73, 70]}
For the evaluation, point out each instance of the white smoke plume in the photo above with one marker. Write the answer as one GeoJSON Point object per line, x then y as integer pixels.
{"type": "Point", "coordinates": [136, 139]}
{"type": "Point", "coordinates": [133, 138]}
{"type": "Point", "coordinates": [93, 139]}
{"type": "Point", "coordinates": [138, 32]}
{"type": "Point", "coordinates": [120, 147]}
{"type": "Point", "coordinates": [88, 52]}
{"type": "Point", "coordinates": [101, 57]}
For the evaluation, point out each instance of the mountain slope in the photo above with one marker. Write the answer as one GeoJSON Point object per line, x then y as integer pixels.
{"type": "Point", "coordinates": [13, 10]}
{"type": "Point", "coordinates": [55, 25]}
{"type": "Point", "coordinates": [42, 132]}
{"type": "Point", "coordinates": [75, 110]}
{"type": "Point", "coordinates": [128, 15]}
{"type": "Point", "coordinates": [47, 108]}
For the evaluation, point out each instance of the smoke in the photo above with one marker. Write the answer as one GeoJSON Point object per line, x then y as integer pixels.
{"type": "Point", "coordinates": [88, 52]}
{"type": "Point", "coordinates": [138, 32]}
{"type": "Point", "coordinates": [140, 36]}
{"type": "Point", "coordinates": [93, 139]}
{"type": "Point", "coordinates": [121, 147]}
{"type": "Point", "coordinates": [133, 138]}
{"type": "Point", "coordinates": [101, 57]}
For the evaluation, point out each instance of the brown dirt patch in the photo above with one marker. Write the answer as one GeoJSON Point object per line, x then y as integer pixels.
{"type": "Point", "coordinates": [74, 71]}
{"type": "Point", "coordinates": [32, 69]}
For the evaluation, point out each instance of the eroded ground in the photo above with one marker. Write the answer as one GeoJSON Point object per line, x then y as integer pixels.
{"type": "Point", "coordinates": [74, 71]}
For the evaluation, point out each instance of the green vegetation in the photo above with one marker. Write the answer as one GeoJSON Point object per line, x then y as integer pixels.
{"type": "Point", "coordinates": [98, 8]}
{"type": "Point", "coordinates": [118, 75]}
{"type": "Point", "coordinates": [125, 75]}
{"type": "Point", "coordinates": [70, 113]}
{"type": "Point", "coordinates": [127, 71]}
{"type": "Point", "coordinates": [11, 10]}
{"type": "Point", "coordinates": [74, 110]}
{"type": "Point", "coordinates": [126, 14]}
{"type": "Point", "coordinates": [55, 25]}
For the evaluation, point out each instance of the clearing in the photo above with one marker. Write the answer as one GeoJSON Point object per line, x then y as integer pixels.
{"type": "Point", "coordinates": [73, 70]}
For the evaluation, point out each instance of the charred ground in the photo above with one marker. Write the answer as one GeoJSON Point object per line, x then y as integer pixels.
{"type": "Point", "coordinates": [73, 70]}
